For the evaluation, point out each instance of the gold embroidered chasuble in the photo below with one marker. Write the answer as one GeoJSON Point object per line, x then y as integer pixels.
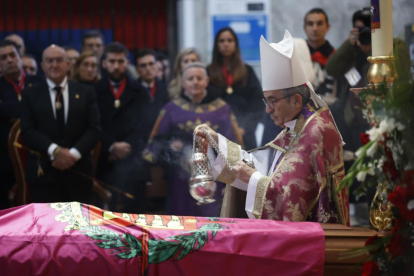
{"type": "Point", "coordinates": [303, 183]}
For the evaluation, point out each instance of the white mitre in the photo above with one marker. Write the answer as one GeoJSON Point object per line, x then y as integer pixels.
{"type": "Point", "coordinates": [282, 67]}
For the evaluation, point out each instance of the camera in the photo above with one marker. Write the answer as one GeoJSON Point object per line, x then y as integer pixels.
{"type": "Point", "coordinates": [364, 35]}
{"type": "Point", "coordinates": [363, 15]}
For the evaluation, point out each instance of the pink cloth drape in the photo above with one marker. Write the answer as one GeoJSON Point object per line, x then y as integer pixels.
{"type": "Point", "coordinates": [78, 239]}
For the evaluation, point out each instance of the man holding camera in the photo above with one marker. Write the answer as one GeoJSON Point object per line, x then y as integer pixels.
{"type": "Point", "coordinates": [349, 66]}
{"type": "Point", "coordinates": [349, 63]}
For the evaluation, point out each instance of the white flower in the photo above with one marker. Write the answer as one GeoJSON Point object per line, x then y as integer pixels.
{"type": "Point", "coordinates": [372, 149]}
{"type": "Point", "coordinates": [371, 171]}
{"type": "Point", "coordinates": [380, 163]}
{"type": "Point", "coordinates": [410, 205]}
{"type": "Point", "coordinates": [361, 176]}
{"type": "Point", "coordinates": [400, 126]}
{"type": "Point", "coordinates": [359, 152]}
{"type": "Point", "coordinates": [374, 134]}
{"type": "Point", "coordinates": [387, 125]}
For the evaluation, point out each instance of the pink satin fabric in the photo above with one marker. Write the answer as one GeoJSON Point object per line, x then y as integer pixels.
{"type": "Point", "coordinates": [33, 242]}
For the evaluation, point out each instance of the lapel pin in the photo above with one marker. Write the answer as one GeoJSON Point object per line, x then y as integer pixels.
{"type": "Point", "coordinates": [77, 96]}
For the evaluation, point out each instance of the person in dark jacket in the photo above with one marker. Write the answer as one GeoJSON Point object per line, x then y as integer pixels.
{"type": "Point", "coordinates": [156, 89]}
{"type": "Point", "coordinates": [60, 121]}
{"type": "Point", "coordinates": [11, 86]}
{"type": "Point", "coordinates": [121, 102]}
{"type": "Point", "coordinates": [236, 83]}
{"type": "Point", "coordinates": [86, 69]}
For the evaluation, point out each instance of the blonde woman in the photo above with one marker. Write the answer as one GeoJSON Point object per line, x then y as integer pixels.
{"type": "Point", "coordinates": [188, 55]}
{"type": "Point", "coordinates": [86, 69]}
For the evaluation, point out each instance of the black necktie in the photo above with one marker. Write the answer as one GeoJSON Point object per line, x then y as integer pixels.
{"type": "Point", "coordinates": [60, 107]}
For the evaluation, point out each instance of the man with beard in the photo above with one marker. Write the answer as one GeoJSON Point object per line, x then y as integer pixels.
{"type": "Point", "coordinates": [60, 121]}
{"type": "Point", "coordinates": [11, 86]}
{"type": "Point", "coordinates": [94, 41]}
{"type": "Point", "coordinates": [121, 102]}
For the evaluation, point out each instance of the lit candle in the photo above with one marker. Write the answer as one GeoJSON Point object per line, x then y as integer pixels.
{"type": "Point", "coordinates": [381, 28]}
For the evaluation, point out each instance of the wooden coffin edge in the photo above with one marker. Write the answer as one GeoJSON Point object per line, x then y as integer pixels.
{"type": "Point", "coordinates": [338, 240]}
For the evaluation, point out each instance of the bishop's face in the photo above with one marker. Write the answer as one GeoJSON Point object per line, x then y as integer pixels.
{"type": "Point", "coordinates": [281, 108]}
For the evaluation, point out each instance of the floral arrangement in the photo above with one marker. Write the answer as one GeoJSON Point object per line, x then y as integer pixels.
{"type": "Point", "coordinates": [387, 157]}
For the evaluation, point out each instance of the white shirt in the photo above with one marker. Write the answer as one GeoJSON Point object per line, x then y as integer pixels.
{"type": "Point", "coordinates": [65, 95]}
{"type": "Point", "coordinates": [115, 85]}
{"type": "Point", "coordinates": [146, 85]}
{"type": "Point", "coordinates": [264, 160]}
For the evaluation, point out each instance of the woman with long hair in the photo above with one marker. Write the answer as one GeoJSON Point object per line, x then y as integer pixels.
{"type": "Point", "coordinates": [187, 55]}
{"type": "Point", "coordinates": [86, 69]}
{"type": "Point", "coordinates": [236, 83]}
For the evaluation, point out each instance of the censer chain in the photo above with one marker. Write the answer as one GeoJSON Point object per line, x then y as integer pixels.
{"type": "Point", "coordinates": [214, 145]}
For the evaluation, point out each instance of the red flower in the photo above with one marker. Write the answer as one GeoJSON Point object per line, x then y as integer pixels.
{"type": "Point", "coordinates": [364, 138]}
{"type": "Point", "coordinates": [389, 165]}
{"type": "Point", "coordinates": [371, 269]}
{"type": "Point", "coordinates": [398, 224]}
{"type": "Point", "coordinates": [410, 189]}
{"type": "Point", "coordinates": [371, 240]}
{"type": "Point", "coordinates": [409, 180]}
{"type": "Point", "coordinates": [398, 245]}
{"type": "Point", "coordinates": [400, 197]}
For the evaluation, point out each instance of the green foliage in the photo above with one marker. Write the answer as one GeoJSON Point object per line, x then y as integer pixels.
{"type": "Point", "coordinates": [383, 104]}
{"type": "Point", "coordinates": [390, 111]}
{"type": "Point", "coordinates": [159, 250]}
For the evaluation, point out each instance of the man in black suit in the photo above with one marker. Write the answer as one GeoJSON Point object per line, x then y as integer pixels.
{"type": "Point", "coordinates": [60, 120]}
{"type": "Point", "coordinates": [11, 86]}
{"type": "Point", "coordinates": [121, 103]}
{"type": "Point", "coordinates": [156, 89]}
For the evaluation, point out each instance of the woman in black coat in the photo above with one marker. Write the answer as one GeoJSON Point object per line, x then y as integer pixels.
{"type": "Point", "coordinates": [236, 83]}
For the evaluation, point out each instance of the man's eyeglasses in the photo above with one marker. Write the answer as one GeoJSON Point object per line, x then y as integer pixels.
{"type": "Point", "coordinates": [143, 65]}
{"type": "Point", "coordinates": [271, 102]}
{"type": "Point", "coordinates": [58, 60]}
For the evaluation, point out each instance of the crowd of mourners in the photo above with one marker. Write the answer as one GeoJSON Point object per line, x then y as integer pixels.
{"type": "Point", "coordinates": [103, 130]}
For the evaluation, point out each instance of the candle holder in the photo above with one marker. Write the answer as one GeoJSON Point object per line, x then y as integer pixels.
{"type": "Point", "coordinates": [381, 67]}
{"type": "Point", "coordinates": [380, 214]}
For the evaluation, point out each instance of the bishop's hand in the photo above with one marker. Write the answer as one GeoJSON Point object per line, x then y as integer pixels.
{"type": "Point", "coordinates": [243, 172]}
{"type": "Point", "coordinates": [202, 136]}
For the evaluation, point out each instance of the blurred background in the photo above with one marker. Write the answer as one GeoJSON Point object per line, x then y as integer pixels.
{"type": "Point", "coordinates": [171, 25]}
